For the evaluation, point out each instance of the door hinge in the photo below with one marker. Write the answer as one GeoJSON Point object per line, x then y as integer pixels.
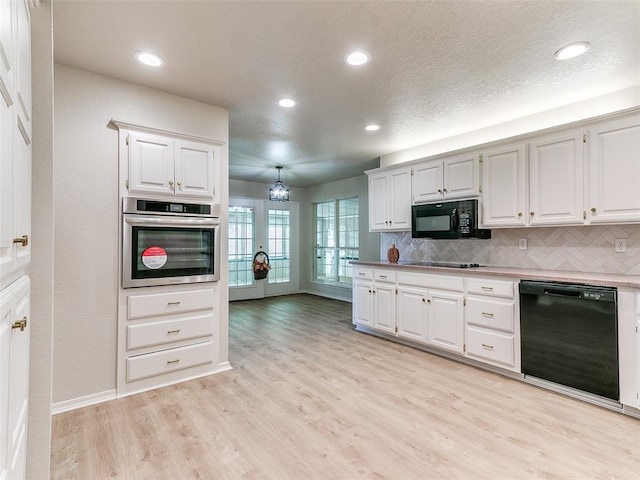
{"type": "Point", "coordinates": [412, 172]}
{"type": "Point", "coordinates": [481, 158]}
{"type": "Point", "coordinates": [396, 291]}
{"type": "Point", "coordinates": [127, 139]}
{"type": "Point", "coordinates": [464, 302]}
{"type": "Point", "coordinates": [127, 184]}
{"type": "Point", "coordinates": [480, 189]}
{"type": "Point", "coordinates": [584, 215]}
{"type": "Point", "coordinates": [584, 138]}
{"type": "Point", "coordinates": [396, 329]}
{"type": "Point", "coordinates": [464, 348]}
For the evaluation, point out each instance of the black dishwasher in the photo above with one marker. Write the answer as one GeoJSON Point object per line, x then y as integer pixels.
{"type": "Point", "coordinates": [569, 335]}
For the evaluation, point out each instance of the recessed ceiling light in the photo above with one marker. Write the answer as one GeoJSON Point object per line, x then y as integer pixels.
{"type": "Point", "coordinates": [286, 102]}
{"type": "Point", "coordinates": [372, 128]}
{"type": "Point", "coordinates": [357, 58]}
{"type": "Point", "coordinates": [572, 50]}
{"type": "Point", "coordinates": [150, 59]}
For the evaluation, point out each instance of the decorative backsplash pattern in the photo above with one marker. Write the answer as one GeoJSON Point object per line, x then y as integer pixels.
{"type": "Point", "coordinates": [580, 249]}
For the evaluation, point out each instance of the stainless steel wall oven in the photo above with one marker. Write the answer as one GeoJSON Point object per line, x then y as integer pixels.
{"type": "Point", "coordinates": [167, 243]}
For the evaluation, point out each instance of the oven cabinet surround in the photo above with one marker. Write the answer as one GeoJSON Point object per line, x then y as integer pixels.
{"type": "Point", "coordinates": [575, 176]}
{"type": "Point", "coordinates": [472, 317]}
{"type": "Point", "coordinates": [159, 164]}
{"type": "Point", "coordinates": [452, 177]}
{"type": "Point", "coordinates": [165, 335]}
{"type": "Point", "coordinates": [390, 200]}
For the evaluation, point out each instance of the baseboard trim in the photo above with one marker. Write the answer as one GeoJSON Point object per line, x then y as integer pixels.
{"type": "Point", "coordinates": [75, 403]}
{"type": "Point", "coordinates": [327, 295]}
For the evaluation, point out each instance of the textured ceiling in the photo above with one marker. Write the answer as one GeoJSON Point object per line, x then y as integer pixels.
{"type": "Point", "coordinates": [438, 68]}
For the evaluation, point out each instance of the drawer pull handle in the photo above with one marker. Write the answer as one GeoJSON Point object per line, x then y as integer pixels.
{"type": "Point", "coordinates": [173, 361]}
{"type": "Point", "coordinates": [487, 314]}
{"type": "Point", "coordinates": [488, 347]}
{"type": "Point", "coordinates": [173, 303]}
{"type": "Point", "coordinates": [169, 332]}
{"type": "Point", "coordinates": [361, 274]}
{"type": "Point", "coordinates": [487, 289]}
{"type": "Point", "coordinates": [383, 276]}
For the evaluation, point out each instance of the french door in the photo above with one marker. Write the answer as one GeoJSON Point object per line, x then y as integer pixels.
{"type": "Point", "coordinates": [272, 227]}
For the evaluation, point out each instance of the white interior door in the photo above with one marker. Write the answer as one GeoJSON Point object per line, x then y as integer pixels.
{"type": "Point", "coordinates": [272, 227]}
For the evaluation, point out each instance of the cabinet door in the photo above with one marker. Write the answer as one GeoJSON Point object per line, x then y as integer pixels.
{"type": "Point", "coordinates": [504, 187]}
{"type": "Point", "coordinates": [23, 70]}
{"type": "Point", "coordinates": [384, 314]}
{"type": "Point", "coordinates": [427, 182]}
{"type": "Point", "coordinates": [8, 41]}
{"type": "Point", "coordinates": [462, 176]}
{"type": "Point", "coordinates": [614, 171]}
{"type": "Point", "coordinates": [412, 314]}
{"type": "Point", "coordinates": [14, 379]}
{"type": "Point", "coordinates": [446, 321]}
{"type": "Point", "coordinates": [151, 164]}
{"type": "Point", "coordinates": [362, 303]}
{"type": "Point", "coordinates": [400, 205]}
{"type": "Point", "coordinates": [378, 217]}
{"type": "Point", "coordinates": [194, 169]}
{"type": "Point", "coordinates": [556, 178]}
{"type": "Point", "coordinates": [6, 186]}
{"type": "Point", "coordinates": [21, 197]}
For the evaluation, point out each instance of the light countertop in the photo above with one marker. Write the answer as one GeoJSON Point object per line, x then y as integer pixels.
{"type": "Point", "coordinates": [586, 278]}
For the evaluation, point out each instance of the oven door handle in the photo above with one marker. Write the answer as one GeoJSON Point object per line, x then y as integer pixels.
{"type": "Point", "coordinates": [142, 221]}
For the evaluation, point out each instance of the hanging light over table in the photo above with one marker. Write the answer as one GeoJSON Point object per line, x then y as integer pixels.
{"type": "Point", "coordinates": [278, 192]}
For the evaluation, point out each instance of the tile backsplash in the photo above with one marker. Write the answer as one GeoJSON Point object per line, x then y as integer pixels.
{"type": "Point", "coordinates": [580, 249]}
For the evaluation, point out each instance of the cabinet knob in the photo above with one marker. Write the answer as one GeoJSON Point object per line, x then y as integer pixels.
{"type": "Point", "coordinates": [171, 183]}
{"type": "Point", "coordinates": [439, 191]}
{"type": "Point", "coordinates": [445, 190]}
{"type": "Point", "coordinates": [532, 213]}
{"type": "Point", "coordinates": [22, 324]}
{"type": "Point", "coordinates": [180, 185]}
{"type": "Point", "coordinates": [593, 210]}
{"type": "Point", "coordinates": [424, 300]}
{"type": "Point", "coordinates": [519, 214]}
{"type": "Point", "coordinates": [23, 240]}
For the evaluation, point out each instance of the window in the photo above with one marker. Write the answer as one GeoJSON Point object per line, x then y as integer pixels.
{"type": "Point", "coordinates": [337, 239]}
{"type": "Point", "coordinates": [241, 248]}
{"type": "Point", "coordinates": [279, 246]}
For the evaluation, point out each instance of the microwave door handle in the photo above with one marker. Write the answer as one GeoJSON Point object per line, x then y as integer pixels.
{"type": "Point", "coordinates": [454, 220]}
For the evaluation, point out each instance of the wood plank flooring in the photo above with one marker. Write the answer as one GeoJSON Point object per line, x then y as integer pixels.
{"type": "Point", "coordinates": [310, 398]}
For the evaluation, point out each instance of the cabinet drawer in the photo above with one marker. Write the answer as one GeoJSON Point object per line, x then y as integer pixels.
{"type": "Point", "coordinates": [494, 288]}
{"type": "Point", "coordinates": [425, 280]}
{"type": "Point", "coordinates": [166, 361]}
{"type": "Point", "coordinates": [158, 333]}
{"type": "Point", "coordinates": [490, 313]}
{"type": "Point", "coordinates": [148, 305]}
{"type": "Point", "coordinates": [493, 346]}
{"type": "Point", "coordinates": [384, 276]}
{"type": "Point", "coordinates": [362, 274]}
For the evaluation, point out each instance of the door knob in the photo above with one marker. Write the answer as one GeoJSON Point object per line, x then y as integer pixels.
{"type": "Point", "coordinates": [23, 240]}
{"type": "Point", "coordinates": [22, 324]}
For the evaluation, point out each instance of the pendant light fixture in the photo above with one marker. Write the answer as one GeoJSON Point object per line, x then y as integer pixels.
{"type": "Point", "coordinates": [278, 192]}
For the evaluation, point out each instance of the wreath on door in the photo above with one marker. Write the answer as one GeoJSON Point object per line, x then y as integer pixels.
{"type": "Point", "coordinates": [261, 265]}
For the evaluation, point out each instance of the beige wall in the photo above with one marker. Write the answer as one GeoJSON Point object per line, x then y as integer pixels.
{"type": "Point", "coordinates": [41, 268]}
{"type": "Point", "coordinates": [86, 212]}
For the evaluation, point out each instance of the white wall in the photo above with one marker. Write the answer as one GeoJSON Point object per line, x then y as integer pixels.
{"type": "Point", "coordinates": [41, 268]}
{"type": "Point", "coordinates": [613, 102]}
{"type": "Point", "coordinates": [86, 212]}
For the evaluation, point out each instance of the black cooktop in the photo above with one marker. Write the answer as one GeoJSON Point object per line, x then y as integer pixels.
{"type": "Point", "coordinates": [446, 264]}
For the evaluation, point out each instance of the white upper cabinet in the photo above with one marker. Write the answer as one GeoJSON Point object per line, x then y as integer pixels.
{"type": "Point", "coordinates": [194, 169]}
{"type": "Point", "coordinates": [390, 200]}
{"type": "Point", "coordinates": [166, 166]}
{"type": "Point", "coordinates": [556, 178]}
{"type": "Point", "coordinates": [23, 71]}
{"type": "Point", "coordinates": [8, 42]}
{"type": "Point", "coordinates": [449, 178]}
{"type": "Point", "coordinates": [504, 186]}
{"type": "Point", "coordinates": [614, 171]}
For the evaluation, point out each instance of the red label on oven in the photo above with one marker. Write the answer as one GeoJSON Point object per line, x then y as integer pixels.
{"type": "Point", "coordinates": [154, 257]}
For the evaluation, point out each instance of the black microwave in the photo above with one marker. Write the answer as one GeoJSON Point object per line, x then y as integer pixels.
{"type": "Point", "coordinates": [447, 220]}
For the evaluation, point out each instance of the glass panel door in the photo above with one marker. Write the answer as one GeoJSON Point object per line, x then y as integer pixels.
{"type": "Point", "coordinates": [241, 245]}
{"type": "Point", "coordinates": [279, 246]}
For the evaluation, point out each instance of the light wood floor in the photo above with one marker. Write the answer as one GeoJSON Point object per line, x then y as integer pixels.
{"type": "Point", "coordinates": [309, 398]}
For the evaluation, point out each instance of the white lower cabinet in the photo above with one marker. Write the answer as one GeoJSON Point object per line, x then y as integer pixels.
{"type": "Point", "coordinates": [491, 323]}
{"type": "Point", "coordinates": [165, 336]}
{"type": "Point", "coordinates": [445, 324]}
{"type": "Point", "coordinates": [472, 317]}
